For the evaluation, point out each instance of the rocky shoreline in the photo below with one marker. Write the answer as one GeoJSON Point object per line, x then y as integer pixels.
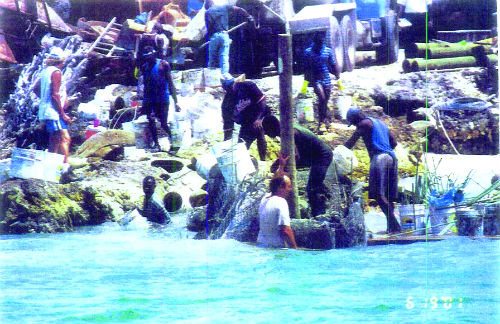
{"type": "Point", "coordinates": [111, 185]}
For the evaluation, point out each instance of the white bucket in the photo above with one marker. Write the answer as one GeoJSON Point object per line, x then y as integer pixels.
{"type": "Point", "coordinates": [415, 213]}
{"type": "Point", "coordinates": [128, 127]}
{"type": "Point", "coordinates": [305, 111]}
{"type": "Point", "coordinates": [439, 218]}
{"type": "Point", "coordinates": [234, 161]}
{"type": "Point", "coordinates": [141, 131]}
{"type": "Point", "coordinates": [204, 164]}
{"type": "Point", "coordinates": [211, 77]}
{"type": "Point", "coordinates": [343, 105]}
{"type": "Point", "coordinates": [27, 164]}
{"type": "Point", "coordinates": [181, 133]}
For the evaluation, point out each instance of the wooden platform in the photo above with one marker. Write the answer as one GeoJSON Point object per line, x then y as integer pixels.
{"type": "Point", "coordinates": [417, 238]}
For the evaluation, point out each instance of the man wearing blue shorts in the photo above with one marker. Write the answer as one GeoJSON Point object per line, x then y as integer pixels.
{"type": "Point", "coordinates": [53, 102]}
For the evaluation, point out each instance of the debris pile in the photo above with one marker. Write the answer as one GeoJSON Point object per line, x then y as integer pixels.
{"type": "Point", "coordinates": [465, 125]}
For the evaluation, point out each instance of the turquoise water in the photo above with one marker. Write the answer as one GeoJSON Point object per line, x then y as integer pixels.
{"type": "Point", "coordinates": [107, 274]}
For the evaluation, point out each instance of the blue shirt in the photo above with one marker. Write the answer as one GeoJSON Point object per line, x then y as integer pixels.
{"type": "Point", "coordinates": [380, 139]}
{"type": "Point", "coordinates": [217, 19]}
{"type": "Point", "coordinates": [319, 64]}
{"type": "Point", "coordinates": [155, 84]}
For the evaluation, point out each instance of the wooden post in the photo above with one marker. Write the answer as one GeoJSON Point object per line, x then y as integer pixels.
{"type": "Point", "coordinates": [286, 115]}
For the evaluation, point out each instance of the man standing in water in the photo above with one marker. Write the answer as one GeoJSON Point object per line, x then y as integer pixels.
{"type": "Point", "coordinates": [53, 102]}
{"type": "Point", "coordinates": [158, 86]}
{"type": "Point", "coordinates": [379, 142]}
{"type": "Point", "coordinates": [274, 216]}
{"type": "Point", "coordinates": [153, 208]}
{"type": "Point", "coordinates": [319, 61]}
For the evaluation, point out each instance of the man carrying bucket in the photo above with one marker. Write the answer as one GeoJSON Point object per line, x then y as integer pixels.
{"type": "Point", "coordinates": [245, 104]}
{"type": "Point", "coordinates": [379, 142]}
{"type": "Point", "coordinates": [158, 86]}
{"type": "Point", "coordinates": [310, 151]}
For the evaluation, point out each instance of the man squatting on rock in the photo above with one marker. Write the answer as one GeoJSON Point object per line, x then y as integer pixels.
{"type": "Point", "coordinates": [380, 142]}
{"type": "Point", "coordinates": [274, 215]}
{"type": "Point", "coordinates": [319, 61]}
{"type": "Point", "coordinates": [153, 208]}
{"type": "Point", "coordinates": [310, 151]}
{"type": "Point", "coordinates": [245, 104]}
{"type": "Point", "coordinates": [158, 86]}
{"type": "Point", "coordinates": [217, 22]}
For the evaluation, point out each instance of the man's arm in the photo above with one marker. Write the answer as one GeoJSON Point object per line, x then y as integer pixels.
{"type": "Point", "coordinates": [170, 82]}
{"type": "Point", "coordinates": [287, 235]}
{"type": "Point", "coordinates": [352, 141]}
{"type": "Point", "coordinates": [332, 66]}
{"type": "Point", "coordinates": [56, 79]}
{"type": "Point", "coordinates": [392, 140]}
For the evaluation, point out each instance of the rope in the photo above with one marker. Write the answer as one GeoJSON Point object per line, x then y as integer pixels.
{"type": "Point", "coordinates": [445, 132]}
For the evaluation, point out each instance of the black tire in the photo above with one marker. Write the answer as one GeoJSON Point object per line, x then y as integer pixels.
{"type": "Point", "coordinates": [334, 41]}
{"type": "Point", "coordinates": [388, 52]}
{"type": "Point", "coordinates": [349, 43]}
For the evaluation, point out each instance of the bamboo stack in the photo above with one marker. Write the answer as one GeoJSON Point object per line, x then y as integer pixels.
{"type": "Point", "coordinates": [439, 56]}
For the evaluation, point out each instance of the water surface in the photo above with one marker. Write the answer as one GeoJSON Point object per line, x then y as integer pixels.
{"type": "Point", "coordinates": [108, 274]}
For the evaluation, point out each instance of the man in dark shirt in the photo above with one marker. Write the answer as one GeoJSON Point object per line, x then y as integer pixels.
{"type": "Point", "coordinates": [319, 63]}
{"type": "Point", "coordinates": [158, 86]}
{"type": "Point", "coordinates": [217, 22]}
{"type": "Point", "coordinates": [310, 151]}
{"type": "Point", "coordinates": [153, 208]}
{"type": "Point", "coordinates": [244, 104]}
{"type": "Point", "coordinates": [379, 142]}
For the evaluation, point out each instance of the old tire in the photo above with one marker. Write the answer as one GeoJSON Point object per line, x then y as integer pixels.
{"type": "Point", "coordinates": [334, 41]}
{"type": "Point", "coordinates": [388, 52]}
{"type": "Point", "coordinates": [349, 43]}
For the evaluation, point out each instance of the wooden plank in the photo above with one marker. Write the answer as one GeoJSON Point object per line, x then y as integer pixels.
{"type": "Point", "coordinates": [418, 238]}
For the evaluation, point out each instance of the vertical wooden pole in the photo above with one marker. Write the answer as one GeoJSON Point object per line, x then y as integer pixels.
{"type": "Point", "coordinates": [286, 115]}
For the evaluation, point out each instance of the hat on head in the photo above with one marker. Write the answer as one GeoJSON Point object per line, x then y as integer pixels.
{"type": "Point", "coordinates": [226, 79]}
{"type": "Point", "coordinates": [56, 53]}
{"type": "Point", "coordinates": [353, 115]}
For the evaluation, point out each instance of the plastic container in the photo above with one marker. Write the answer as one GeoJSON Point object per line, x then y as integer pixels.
{"type": "Point", "coordinates": [211, 77]}
{"type": "Point", "coordinates": [27, 164]}
{"type": "Point", "coordinates": [234, 161]}
{"type": "Point", "coordinates": [343, 105]}
{"type": "Point", "coordinates": [204, 164]}
{"type": "Point", "coordinates": [415, 213]}
{"type": "Point", "coordinates": [439, 218]}
{"type": "Point", "coordinates": [128, 127]}
{"type": "Point", "coordinates": [141, 130]}
{"type": "Point", "coordinates": [468, 222]}
{"type": "Point", "coordinates": [305, 111]}
{"type": "Point", "coordinates": [491, 220]}
{"type": "Point", "coordinates": [91, 130]}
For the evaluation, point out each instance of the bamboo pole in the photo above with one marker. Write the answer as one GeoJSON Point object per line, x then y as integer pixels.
{"type": "Point", "coordinates": [442, 50]}
{"type": "Point", "coordinates": [444, 63]}
{"type": "Point", "coordinates": [286, 113]}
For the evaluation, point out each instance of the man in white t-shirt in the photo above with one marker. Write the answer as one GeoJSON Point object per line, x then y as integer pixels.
{"type": "Point", "coordinates": [274, 217]}
{"type": "Point", "coordinates": [416, 11]}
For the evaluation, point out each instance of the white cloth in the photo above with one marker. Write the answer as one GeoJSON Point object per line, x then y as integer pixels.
{"type": "Point", "coordinates": [415, 6]}
{"type": "Point", "coordinates": [273, 212]}
{"type": "Point", "coordinates": [46, 109]}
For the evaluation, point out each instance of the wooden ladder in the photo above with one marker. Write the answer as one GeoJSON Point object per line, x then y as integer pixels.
{"type": "Point", "coordinates": [103, 48]}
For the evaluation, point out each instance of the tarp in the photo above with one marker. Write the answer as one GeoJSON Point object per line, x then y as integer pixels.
{"type": "Point", "coordinates": [55, 21]}
{"type": "Point", "coordinates": [5, 51]}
